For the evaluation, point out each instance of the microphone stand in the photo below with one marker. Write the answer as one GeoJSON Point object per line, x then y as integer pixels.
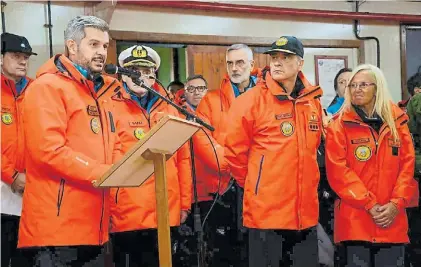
{"type": "Point", "coordinates": [196, 211]}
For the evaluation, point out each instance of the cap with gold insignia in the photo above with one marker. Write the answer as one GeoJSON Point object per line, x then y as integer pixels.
{"type": "Point", "coordinates": [139, 55]}
{"type": "Point", "coordinates": [287, 44]}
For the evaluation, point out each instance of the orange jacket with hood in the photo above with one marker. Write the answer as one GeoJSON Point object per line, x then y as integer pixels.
{"type": "Point", "coordinates": [12, 137]}
{"type": "Point", "coordinates": [271, 147]}
{"type": "Point", "coordinates": [71, 141]}
{"type": "Point", "coordinates": [135, 208]}
{"type": "Point", "coordinates": [213, 109]}
{"type": "Point", "coordinates": [365, 168]}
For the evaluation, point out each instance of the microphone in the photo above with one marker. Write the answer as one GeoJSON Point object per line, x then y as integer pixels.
{"type": "Point", "coordinates": [113, 69]}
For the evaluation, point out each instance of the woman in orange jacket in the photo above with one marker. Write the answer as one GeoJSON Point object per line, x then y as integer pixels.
{"type": "Point", "coordinates": [370, 166]}
{"type": "Point", "coordinates": [133, 210]}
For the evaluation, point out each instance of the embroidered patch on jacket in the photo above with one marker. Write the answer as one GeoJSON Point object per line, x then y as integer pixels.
{"type": "Point", "coordinates": [394, 143]}
{"type": "Point", "coordinates": [314, 118]}
{"type": "Point", "coordinates": [283, 116]}
{"type": "Point", "coordinates": [6, 110]}
{"type": "Point", "coordinates": [363, 153]}
{"type": "Point", "coordinates": [135, 123]}
{"type": "Point", "coordinates": [360, 141]}
{"type": "Point", "coordinates": [313, 126]}
{"type": "Point", "coordinates": [7, 118]}
{"type": "Point", "coordinates": [92, 110]}
{"type": "Point", "coordinates": [287, 128]}
{"type": "Point", "coordinates": [139, 133]}
{"type": "Point", "coordinates": [95, 125]}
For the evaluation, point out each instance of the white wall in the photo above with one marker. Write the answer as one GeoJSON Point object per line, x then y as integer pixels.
{"type": "Point", "coordinates": [133, 18]}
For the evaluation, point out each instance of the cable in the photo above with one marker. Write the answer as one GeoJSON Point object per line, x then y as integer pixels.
{"type": "Point", "coordinates": [219, 180]}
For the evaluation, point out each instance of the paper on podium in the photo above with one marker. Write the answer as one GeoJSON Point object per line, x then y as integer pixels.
{"type": "Point", "coordinates": [133, 170]}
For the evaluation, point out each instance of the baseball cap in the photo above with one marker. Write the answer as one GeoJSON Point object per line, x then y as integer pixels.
{"type": "Point", "coordinates": [15, 43]}
{"type": "Point", "coordinates": [287, 44]}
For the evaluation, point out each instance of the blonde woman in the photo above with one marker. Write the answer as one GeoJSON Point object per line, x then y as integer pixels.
{"type": "Point", "coordinates": [370, 166]}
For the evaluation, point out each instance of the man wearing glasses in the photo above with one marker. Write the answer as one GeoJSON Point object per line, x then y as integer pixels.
{"type": "Point", "coordinates": [223, 226]}
{"type": "Point", "coordinates": [195, 90]}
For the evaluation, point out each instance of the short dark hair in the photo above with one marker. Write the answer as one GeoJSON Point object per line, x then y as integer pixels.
{"type": "Point", "coordinates": [414, 81]}
{"type": "Point", "coordinates": [175, 83]}
{"type": "Point", "coordinates": [197, 76]}
{"type": "Point", "coordinates": [335, 81]}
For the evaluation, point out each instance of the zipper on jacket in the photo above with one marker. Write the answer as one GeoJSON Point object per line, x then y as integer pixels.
{"type": "Point", "coordinates": [116, 195]}
{"type": "Point", "coordinates": [111, 122]}
{"type": "Point", "coordinates": [102, 217]}
{"type": "Point", "coordinates": [60, 195]}
{"type": "Point", "coordinates": [259, 175]}
{"type": "Point", "coordinates": [375, 139]}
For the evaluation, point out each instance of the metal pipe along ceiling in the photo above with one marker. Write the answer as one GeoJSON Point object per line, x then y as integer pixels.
{"type": "Point", "coordinates": [265, 10]}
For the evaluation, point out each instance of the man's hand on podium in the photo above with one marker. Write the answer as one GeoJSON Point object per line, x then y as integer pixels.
{"type": "Point", "coordinates": [183, 216]}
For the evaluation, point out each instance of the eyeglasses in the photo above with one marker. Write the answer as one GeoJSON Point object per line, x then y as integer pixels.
{"type": "Point", "coordinates": [144, 72]}
{"type": "Point", "coordinates": [191, 89]}
{"type": "Point", "coordinates": [362, 85]}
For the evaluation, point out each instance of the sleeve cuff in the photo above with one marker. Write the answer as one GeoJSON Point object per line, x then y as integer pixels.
{"type": "Point", "coordinates": [399, 203]}
{"type": "Point", "coordinates": [370, 204]}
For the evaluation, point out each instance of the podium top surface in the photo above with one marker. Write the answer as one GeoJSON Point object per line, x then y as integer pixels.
{"type": "Point", "coordinates": [169, 134]}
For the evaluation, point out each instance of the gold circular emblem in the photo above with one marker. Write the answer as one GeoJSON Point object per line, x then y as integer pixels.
{"type": "Point", "coordinates": [282, 41]}
{"type": "Point", "coordinates": [7, 118]}
{"type": "Point", "coordinates": [363, 153]}
{"type": "Point", "coordinates": [287, 128]}
{"type": "Point", "coordinates": [95, 125]}
{"type": "Point", "coordinates": [139, 133]}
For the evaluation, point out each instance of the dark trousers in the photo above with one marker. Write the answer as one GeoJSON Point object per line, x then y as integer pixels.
{"type": "Point", "coordinates": [366, 254]}
{"type": "Point", "coordinates": [413, 251]}
{"type": "Point", "coordinates": [283, 248]}
{"type": "Point", "coordinates": [139, 248]}
{"type": "Point", "coordinates": [9, 240]}
{"type": "Point", "coordinates": [66, 256]}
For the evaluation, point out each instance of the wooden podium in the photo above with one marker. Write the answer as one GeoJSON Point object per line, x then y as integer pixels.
{"type": "Point", "coordinates": [147, 157]}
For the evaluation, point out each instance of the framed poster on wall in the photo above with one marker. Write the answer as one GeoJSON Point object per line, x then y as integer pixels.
{"type": "Point", "coordinates": [326, 68]}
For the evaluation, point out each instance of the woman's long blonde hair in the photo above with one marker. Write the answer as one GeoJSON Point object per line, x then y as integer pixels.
{"type": "Point", "coordinates": [383, 101]}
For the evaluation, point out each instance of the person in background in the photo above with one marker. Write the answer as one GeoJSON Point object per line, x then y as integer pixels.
{"type": "Point", "coordinates": [175, 86]}
{"type": "Point", "coordinates": [370, 166]}
{"type": "Point", "coordinates": [196, 88]}
{"type": "Point", "coordinates": [340, 82]}
{"type": "Point", "coordinates": [133, 210]}
{"type": "Point", "coordinates": [271, 145]}
{"type": "Point", "coordinates": [71, 143]}
{"type": "Point", "coordinates": [226, 238]}
{"type": "Point", "coordinates": [15, 54]}
{"type": "Point", "coordinates": [414, 112]}
{"type": "Point", "coordinates": [414, 88]}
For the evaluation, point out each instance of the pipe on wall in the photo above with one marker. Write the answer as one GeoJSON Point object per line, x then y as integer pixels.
{"type": "Point", "coordinates": [49, 26]}
{"type": "Point", "coordinates": [3, 17]}
{"type": "Point", "coordinates": [266, 10]}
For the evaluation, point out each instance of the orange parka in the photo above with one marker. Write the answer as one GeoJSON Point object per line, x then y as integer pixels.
{"type": "Point", "coordinates": [271, 147]}
{"type": "Point", "coordinates": [12, 137]}
{"type": "Point", "coordinates": [365, 168]}
{"type": "Point", "coordinates": [135, 208]}
{"type": "Point", "coordinates": [71, 140]}
{"type": "Point", "coordinates": [213, 109]}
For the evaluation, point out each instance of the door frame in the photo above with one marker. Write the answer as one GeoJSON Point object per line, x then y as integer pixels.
{"type": "Point", "coordinates": [404, 71]}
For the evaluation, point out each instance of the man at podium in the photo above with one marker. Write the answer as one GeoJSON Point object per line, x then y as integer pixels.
{"type": "Point", "coordinates": [71, 142]}
{"type": "Point", "coordinates": [133, 210]}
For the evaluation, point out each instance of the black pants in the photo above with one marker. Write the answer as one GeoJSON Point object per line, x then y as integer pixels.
{"type": "Point", "coordinates": [283, 248]}
{"type": "Point", "coordinates": [413, 251]}
{"type": "Point", "coordinates": [66, 256]}
{"type": "Point", "coordinates": [138, 248]}
{"type": "Point", "coordinates": [9, 240]}
{"type": "Point", "coordinates": [366, 254]}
